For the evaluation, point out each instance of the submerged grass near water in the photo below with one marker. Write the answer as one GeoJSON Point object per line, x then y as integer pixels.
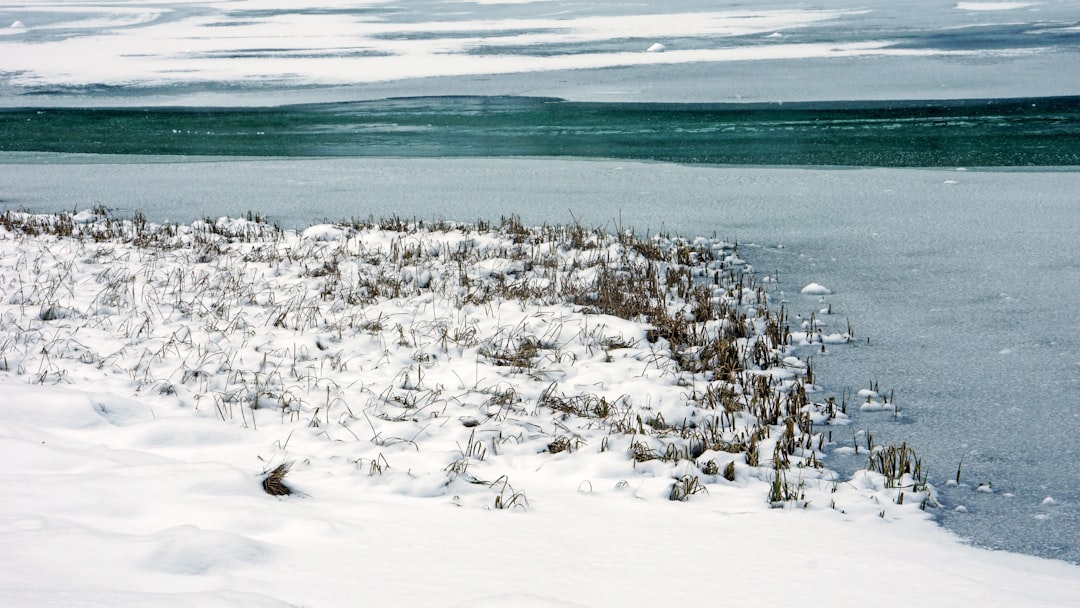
{"type": "Point", "coordinates": [445, 360]}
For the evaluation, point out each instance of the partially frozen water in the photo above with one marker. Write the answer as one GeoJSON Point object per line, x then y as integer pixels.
{"type": "Point", "coordinates": [257, 52]}
{"type": "Point", "coordinates": [965, 282]}
{"type": "Point", "coordinates": [987, 132]}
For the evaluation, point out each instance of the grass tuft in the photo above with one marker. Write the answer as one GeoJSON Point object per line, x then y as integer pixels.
{"type": "Point", "coordinates": [685, 487]}
{"type": "Point", "coordinates": [274, 481]}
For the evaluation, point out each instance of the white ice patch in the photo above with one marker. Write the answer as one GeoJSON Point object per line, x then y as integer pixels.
{"type": "Point", "coordinates": [992, 6]}
{"type": "Point", "coordinates": [815, 289]}
{"type": "Point", "coordinates": [267, 42]}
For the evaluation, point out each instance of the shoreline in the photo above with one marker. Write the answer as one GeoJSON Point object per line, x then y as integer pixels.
{"type": "Point", "coordinates": [893, 272]}
{"type": "Point", "coordinates": [479, 389]}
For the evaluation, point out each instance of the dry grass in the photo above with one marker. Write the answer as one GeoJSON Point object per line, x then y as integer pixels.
{"type": "Point", "coordinates": [710, 329]}
{"type": "Point", "coordinates": [274, 481]}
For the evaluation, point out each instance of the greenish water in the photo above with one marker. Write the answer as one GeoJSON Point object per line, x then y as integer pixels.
{"type": "Point", "coordinates": [1019, 132]}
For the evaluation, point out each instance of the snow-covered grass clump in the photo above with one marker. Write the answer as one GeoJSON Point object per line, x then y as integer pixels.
{"type": "Point", "coordinates": [443, 362]}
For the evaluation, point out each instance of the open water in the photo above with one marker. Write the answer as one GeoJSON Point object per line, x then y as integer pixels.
{"type": "Point", "coordinates": [1014, 132]}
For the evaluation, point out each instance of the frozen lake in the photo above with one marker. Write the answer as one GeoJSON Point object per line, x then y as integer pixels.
{"type": "Point", "coordinates": [965, 282]}
{"type": "Point", "coordinates": [258, 52]}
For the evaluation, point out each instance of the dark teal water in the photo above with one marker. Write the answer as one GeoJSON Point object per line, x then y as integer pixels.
{"type": "Point", "coordinates": [1018, 132]}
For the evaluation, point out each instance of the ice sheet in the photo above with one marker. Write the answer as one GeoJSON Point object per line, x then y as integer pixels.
{"type": "Point", "coordinates": [235, 53]}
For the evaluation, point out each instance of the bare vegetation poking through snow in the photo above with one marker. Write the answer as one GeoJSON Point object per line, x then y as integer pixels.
{"type": "Point", "coordinates": [482, 344]}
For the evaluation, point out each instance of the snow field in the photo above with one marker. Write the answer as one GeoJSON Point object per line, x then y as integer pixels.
{"type": "Point", "coordinates": [632, 405]}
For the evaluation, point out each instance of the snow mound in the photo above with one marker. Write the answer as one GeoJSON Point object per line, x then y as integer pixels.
{"type": "Point", "coordinates": [190, 550]}
{"type": "Point", "coordinates": [18, 25]}
{"type": "Point", "coordinates": [815, 289]}
{"type": "Point", "coordinates": [323, 232]}
{"type": "Point", "coordinates": [656, 47]}
{"type": "Point", "coordinates": [875, 406]}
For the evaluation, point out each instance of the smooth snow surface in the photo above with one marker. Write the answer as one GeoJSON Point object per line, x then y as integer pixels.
{"type": "Point", "coordinates": [170, 515]}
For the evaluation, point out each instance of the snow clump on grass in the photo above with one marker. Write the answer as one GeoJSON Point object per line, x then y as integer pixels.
{"type": "Point", "coordinates": [448, 361]}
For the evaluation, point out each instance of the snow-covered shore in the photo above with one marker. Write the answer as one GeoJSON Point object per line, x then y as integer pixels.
{"type": "Point", "coordinates": [418, 379]}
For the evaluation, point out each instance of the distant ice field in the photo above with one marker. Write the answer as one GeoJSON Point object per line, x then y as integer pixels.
{"type": "Point", "coordinates": [259, 52]}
